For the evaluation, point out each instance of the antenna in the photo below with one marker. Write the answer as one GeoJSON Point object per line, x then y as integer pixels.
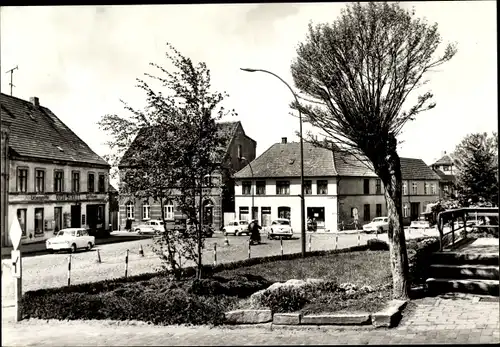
{"type": "Point", "coordinates": [11, 73]}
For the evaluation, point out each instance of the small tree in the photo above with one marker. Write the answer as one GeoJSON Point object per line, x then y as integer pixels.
{"type": "Point", "coordinates": [175, 146]}
{"type": "Point", "coordinates": [357, 74]}
{"type": "Point", "coordinates": [477, 169]}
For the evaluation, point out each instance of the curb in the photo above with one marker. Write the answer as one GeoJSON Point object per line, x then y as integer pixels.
{"type": "Point", "coordinates": [387, 318]}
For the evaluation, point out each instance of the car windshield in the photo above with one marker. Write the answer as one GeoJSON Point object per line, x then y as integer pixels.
{"type": "Point", "coordinates": [378, 220]}
{"type": "Point", "coordinates": [283, 222]}
{"type": "Point", "coordinates": [66, 233]}
{"type": "Point", "coordinates": [243, 222]}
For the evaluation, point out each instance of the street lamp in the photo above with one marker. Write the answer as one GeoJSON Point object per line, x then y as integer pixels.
{"type": "Point", "coordinates": [302, 202]}
{"type": "Point", "coordinates": [251, 186]}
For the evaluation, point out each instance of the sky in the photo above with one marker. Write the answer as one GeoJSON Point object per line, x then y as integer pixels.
{"type": "Point", "coordinates": [81, 60]}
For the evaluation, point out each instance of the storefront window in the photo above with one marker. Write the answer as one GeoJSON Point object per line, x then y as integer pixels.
{"type": "Point", "coordinates": [21, 217]}
{"type": "Point", "coordinates": [39, 221]}
{"type": "Point", "coordinates": [315, 218]}
{"type": "Point", "coordinates": [284, 212]}
{"type": "Point", "coordinates": [244, 213]}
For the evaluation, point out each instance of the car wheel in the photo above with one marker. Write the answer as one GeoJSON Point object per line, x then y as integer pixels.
{"type": "Point", "coordinates": [138, 231]}
{"type": "Point", "coordinates": [89, 246]}
{"type": "Point", "coordinates": [73, 248]}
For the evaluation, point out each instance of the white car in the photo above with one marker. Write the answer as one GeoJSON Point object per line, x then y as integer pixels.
{"type": "Point", "coordinates": [378, 225]}
{"type": "Point", "coordinates": [145, 229]}
{"type": "Point", "coordinates": [236, 227]}
{"type": "Point", "coordinates": [157, 225]}
{"type": "Point", "coordinates": [71, 239]}
{"type": "Point", "coordinates": [280, 228]}
{"type": "Point", "coordinates": [420, 224]}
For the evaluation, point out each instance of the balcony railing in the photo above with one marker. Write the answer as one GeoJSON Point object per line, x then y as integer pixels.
{"type": "Point", "coordinates": [462, 218]}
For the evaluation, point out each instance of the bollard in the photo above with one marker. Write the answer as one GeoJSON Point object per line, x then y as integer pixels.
{"type": "Point", "coordinates": [215, 254]}
{"type": "Point", "coordinates": [98, 256]}
{"type": "Point", "coordinates": [126, 264]}
{"type": "Point", "coordinates": [69, 270]}
{"type": "Point", "coordinates": [141, 251]}
{"type": "Point", "coordinates": [336, 240]}
{"type": "Point", "coordinates": [281, 243]}
{"type": "Point", "coordinates": [226, 241]}
{"type": "Point", "coordinates": [310, 236]}
{"type": "Point", "coordinates": [249, 245]}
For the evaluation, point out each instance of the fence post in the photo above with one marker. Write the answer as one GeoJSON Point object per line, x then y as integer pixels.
{"type": "Point", "coordinates": [281, 243]}
{"type": "Point", "coordinates": [126, 264]}
{"type": "Point", "coordinates": [453, 229]}
{"type": "Point", "coordinates": [465, 224]}
{"type": "Point", "coordinates": [310, 236]}
{"type": "Point", "coordinates": [69, 269]}
{"type": "Point", "coordinates": [215, 254]}
{"type": "Point", "coordinates": [98, 256]}
{"type": "Point", "coordinates": [336, 240]}
{"type": "Point", "coordinates": [249, 245]}
{"type": "Point", "coordinates": [141, 251]}
{"type": "Point", "coordinates": [357, 230]}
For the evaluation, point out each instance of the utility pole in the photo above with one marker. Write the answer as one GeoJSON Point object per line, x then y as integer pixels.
{"type": "Point", "coordinates": [12, 73]}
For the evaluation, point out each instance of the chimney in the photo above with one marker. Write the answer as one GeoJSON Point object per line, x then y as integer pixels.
{"type": "Point", "coordinates": [34, 100]}
{"type": "Point", "coordinates": [283, 140]}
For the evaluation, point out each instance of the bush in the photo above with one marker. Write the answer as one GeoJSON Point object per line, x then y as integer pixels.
{"type": "Point", "coordinates": [241, 286]}
{"type": "Point", "coordinates": [419, 258]}
{"type": "Point", "coordinates": [377, 245]}
{"type": "Point", "coordinates": [284, 299]}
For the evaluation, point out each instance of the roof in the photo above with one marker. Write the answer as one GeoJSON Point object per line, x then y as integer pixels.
{"type": "Point", "coordinates": [283, 160]}
{"type": "Point", "coordinates": [37, 132]}
{"type": "Point", "coordinates": [445, 177]}
{"type": "Point", "coordinates": [228, 130]}
{"type": "Point", "coordinates": [445, 160]}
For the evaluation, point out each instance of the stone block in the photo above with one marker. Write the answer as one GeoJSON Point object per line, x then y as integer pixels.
{"type": "Point", "coordinates": [248, 316]}
{"type": "Point", "coordinates": [336, 319]}
{"type": "Point", "coordinates": [389, 317]}
{"type": "Point", "coordinates": [286, 318]}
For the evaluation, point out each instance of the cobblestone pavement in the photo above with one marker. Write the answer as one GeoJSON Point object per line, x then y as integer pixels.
{"type": "Point", "coordinates": [453, 319]}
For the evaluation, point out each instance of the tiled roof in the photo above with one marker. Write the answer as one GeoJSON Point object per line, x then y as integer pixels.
{"type": "Point", "coordinates": [37, 132]}
{"type": "Point", "coordinates": [226, 128]}
{"type": "Point", "coordinates": [283, 160]}
{"type": "Point", "coordinates": [445, 160]}
{"type": "Point", "coordinates": [416, 169]}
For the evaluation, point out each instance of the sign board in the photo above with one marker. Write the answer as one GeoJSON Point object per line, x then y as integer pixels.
{"type": "Point", "coordinates": [15, 233]}
{"type": "Point", "coordinates": [16, 263]}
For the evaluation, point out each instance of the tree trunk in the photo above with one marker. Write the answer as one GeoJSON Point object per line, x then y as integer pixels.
{"type": "Point", "coordinates": [200, 230]}
{"type": "Point", "coordinates": [397, 244]}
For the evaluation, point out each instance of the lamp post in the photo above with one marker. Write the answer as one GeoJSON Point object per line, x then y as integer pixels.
{"type": "Point", "coordinates": [302, 202]}
{"type": "Point", "coordinates": [251, 186]}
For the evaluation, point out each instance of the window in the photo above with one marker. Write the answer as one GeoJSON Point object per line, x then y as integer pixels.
{"type": "Point", "coordinates": [405, 188]}
{"type": "Point", "coordinates": [75, 182]}
{"type": "Point", "coordinates": [239, 151]}
{"type": "Point", "coordinates": [378, 210]}
{"type": "Point", "coordinates": [378, 187]}
{"type": "Point", "coordinates": [39, 221]}
{"type": "Point", "coordinates": [39, 180]}
{"type": "Point", "coordinates": [145, 210]}
{"type": "Point", "coordinates": [247, 187]}
{"type": "Point", "coordinates": [405, 211]}
{"type": "Point", "coordinates": [366, 214]}
{"type": "Point", "coordinates": [426, 188]}
{"type": "Point", "coordinates": [244, 212]}
{"type": "Point", "coordinates": [255, 212]}
{"type": "Point", "coordinates": [433, 189]}
{"type": "Point", "coordinates": [322, 187]}
{"type": "Point", "coordinates": [21, 217]}
{"type": "Point", "coordinates": [58, 181]}
{"type": "Point", "coordinates": [101, 186]}
{"type": "Point", "coordinates": [90, 183]}
{"type": "Point", "coordinates": [129, 209]}
{"type": "Point", "coordinates": [366, 186]}
{"type": "Point", "coordinates": [261, 187]}
{"type": "Point", "coordinates": [22, 180]}
{"type": "Point", "coordinates": [307, 187]}
{"type": "Point", "coordinates": [168, 210]}
{"type": "Point", "coordinates": [414, 188]}
{"type": "Point", "coordinates": [284, 212]}
{"type": "Point", "coordinates": [282, 187]}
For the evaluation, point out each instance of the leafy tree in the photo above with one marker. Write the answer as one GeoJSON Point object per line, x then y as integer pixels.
{"type": "Point", "coordinates": [477, 169]}
{"type": "Point", "coordinates": [177, 145]}
{"type": "Point", "coordinates": [356, 74]}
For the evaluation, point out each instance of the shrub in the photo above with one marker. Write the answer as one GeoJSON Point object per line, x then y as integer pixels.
{"type": "Point", "coordinates": [419, 258]}
{"type": "Point", "coordinates": [241, 286]}
{"type": "Point", "coordinates": [284, 299]}
{"type": "Point", "coordinates": [377, 245]}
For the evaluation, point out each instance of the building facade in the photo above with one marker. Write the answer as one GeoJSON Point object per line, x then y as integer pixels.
{"type": "Point", "coordinates": [270, 188]}
{"type": "Point", "coordinates": [445, 168]}
{"type": "Point", "coordinates": [55, 180]}
{"type": "Point", "coordinates": [218, 192]}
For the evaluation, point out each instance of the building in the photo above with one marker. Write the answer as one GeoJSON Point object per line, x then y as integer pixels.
{"type": "Point", "coordinates": [270, 187]}
{"type": "Point", "coordinates": [218, 194]}
{"type": "Point", "coordinates": [338, 187]}
{"type": "Point", "coordinates": [446, 170]}
{"type": "Point", "coordinates": [54, 179]}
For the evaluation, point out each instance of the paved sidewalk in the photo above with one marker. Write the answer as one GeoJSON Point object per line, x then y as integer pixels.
{"type": "Point", "coordinates": [454, 319]}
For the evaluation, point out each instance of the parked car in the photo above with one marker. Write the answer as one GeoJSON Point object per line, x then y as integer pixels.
{"type": "Point", "coordinates": [70, 239]}
{"type": "Point", "coordinates": [236, 227]}
{"type": "Point", "coordinates": [145, 229]}
{"type": "Point", "coordinates": [280, 228]}
{"type": "Point", "coordinates": [157, 225]}
{"type": "Point", "coordinates": [378, 225]}
{"type": "Point", "coordinates": [420, 223]}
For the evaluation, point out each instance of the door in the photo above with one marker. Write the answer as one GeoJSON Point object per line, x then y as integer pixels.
{"type": "Point", "coordinates": [415, 208]}
{"type": "Point", "coordinates": [266, 216]}
{"type": "Point", "coordinates": [57, 219]}
{"type": "Point", "coordinates": [76, 212]}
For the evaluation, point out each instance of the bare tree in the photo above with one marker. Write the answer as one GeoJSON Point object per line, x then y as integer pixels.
{"type": "Point", "coordinates": [357, 73]}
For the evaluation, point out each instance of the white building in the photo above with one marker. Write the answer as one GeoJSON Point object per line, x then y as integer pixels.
{"type": "Point", "coordinates": [271, 184]}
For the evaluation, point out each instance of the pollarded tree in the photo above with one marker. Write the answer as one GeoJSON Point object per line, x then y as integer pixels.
{"type": "Point", "coordinates": [477, 169]}
{"type": "Point", "coordinates": [357, 73]}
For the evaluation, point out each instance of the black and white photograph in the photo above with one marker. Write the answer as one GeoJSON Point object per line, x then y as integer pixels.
{"type": "Point", "coordinates": [274, 173]}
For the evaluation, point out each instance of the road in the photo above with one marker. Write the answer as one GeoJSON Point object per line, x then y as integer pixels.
{"type": "Point", "coordinates": [51, 270]}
